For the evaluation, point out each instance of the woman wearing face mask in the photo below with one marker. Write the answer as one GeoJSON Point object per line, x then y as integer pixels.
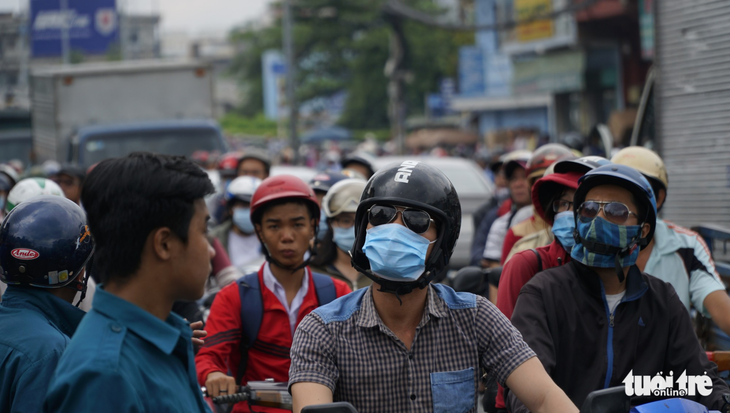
{"type": "Point", "coordinates": [236, 233]}
{"type": "Point", "coordinates": [333, 254]}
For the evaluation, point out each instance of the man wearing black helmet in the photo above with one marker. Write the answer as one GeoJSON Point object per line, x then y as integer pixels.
{"type": "Point", "coordinates": [44, 247]}
{"type": "Point", "coordinates": [600, 322]}
{"type": "Point", "coordinates": [407, 344]}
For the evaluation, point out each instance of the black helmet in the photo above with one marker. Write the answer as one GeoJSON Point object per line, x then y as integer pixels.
{"type": "Point", "coordinates": [44, 242]}
{"type": "Point", "coordinates": [418, 185]}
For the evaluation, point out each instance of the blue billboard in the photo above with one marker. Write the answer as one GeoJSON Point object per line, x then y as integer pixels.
{"type": "Point", "coordinates": [471, 71]}
{"type": "Point", "coordinates": [92, 26]}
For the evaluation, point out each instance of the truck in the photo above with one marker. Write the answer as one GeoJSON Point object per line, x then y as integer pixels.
{"type": "Point", "coordinates": [82, 114]}
{"type": "Point", "coordinates": [15, 135]}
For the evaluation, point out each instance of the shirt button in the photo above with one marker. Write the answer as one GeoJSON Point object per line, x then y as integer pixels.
{"type": "Point", "coordinates": [410, 356]}
{"type": "Point", "coordinates": [413, 397]}
{"type": "Point", "coordinates": [116, 328]}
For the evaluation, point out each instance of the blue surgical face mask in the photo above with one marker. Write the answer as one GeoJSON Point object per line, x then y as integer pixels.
{"type": "Point", "coordinates": [323, 225]}
{"type": "Point", "coordinates": [344, 237]}
{"type": "Point", "coordinates": [602, 231]}
{"type": "Point", "coordinates": [395, 252]}
{"type": "Point", "coordinates": [563, 226]}
{"type": "Point", "coordinates": [242, 220]}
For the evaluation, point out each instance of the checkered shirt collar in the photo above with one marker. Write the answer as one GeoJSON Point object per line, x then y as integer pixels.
{"type": "Point", "coordinates": [369, 317]}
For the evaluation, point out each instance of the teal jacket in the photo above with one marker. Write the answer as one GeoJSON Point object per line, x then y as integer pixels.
{"type": "Point", "coordinates": [35, 328]}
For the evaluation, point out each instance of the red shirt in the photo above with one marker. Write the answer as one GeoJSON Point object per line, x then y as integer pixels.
{"type": "Point", "coordinates": [269, 356]}
{"type": "Point", "coordinates": [516, 273]}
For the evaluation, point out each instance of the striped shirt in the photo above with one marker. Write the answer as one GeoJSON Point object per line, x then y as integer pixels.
{"type": "Point", "coordinates": [345, 346]}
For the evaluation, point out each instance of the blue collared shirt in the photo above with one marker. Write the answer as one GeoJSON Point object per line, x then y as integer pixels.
{"type": "Point", "coordinates": [35, 328]}
{"type": "Point", "coordinates": [124, 359]}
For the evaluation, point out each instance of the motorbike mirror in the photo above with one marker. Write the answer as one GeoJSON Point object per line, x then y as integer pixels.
{"type": "Point", "coordinates": [469, 279]}
{"type": "Point", "coordinates": [611, 400]}
{"type": "Point", "coordinates": [339, 407]}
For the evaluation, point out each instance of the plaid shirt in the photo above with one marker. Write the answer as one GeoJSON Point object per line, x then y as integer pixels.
{"type": "Point", "coordinates": [345, 346]}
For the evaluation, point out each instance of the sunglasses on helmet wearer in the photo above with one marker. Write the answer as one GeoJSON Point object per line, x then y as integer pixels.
{"type": "Point", "coordinates": [416, 220]}
{"type": "Point", "coordinates": [615, 212]}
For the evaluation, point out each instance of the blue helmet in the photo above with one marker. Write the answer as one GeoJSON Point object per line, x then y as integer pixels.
{"type": "Point", "coordinates": [44, 242]}
{"type": "Point", "coordinates": [625, 177]}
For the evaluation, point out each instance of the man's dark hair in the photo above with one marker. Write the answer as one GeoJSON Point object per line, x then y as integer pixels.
{"type": "Point", "coordinates": [127, 198]}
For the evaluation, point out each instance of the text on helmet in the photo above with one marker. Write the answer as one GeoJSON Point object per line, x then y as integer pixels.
{"type": "Point", "coordinates": [405, 171]}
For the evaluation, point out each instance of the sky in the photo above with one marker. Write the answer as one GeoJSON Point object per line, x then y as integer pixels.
{"type": "Point", "coordinates": [191, 16]}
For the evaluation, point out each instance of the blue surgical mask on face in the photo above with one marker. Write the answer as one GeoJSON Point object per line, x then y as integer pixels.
{"type": "Point", "coordinates": [395, 252]}
{"type": "Point", "coordinates": [242, 220]}
{"type": "Point", "coordinates": [563, 227]}
{"type": "Point", "coordinates": [323, 225]}
{"type": "Point", "coordinates": [344, 237]}
{"type": "Point", "coordinates": [602, 231]}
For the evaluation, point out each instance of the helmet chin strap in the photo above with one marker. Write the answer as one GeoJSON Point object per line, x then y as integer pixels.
{"type": "Point", "coordinates": [292, 268]}
{"type": "Point", "coordinates": [400, 288]}
{"type": "Point", "coordinates": [80, 286]}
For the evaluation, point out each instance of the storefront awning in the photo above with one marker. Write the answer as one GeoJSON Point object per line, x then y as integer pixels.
{"type": "Point", "coordinates": [484, 103]}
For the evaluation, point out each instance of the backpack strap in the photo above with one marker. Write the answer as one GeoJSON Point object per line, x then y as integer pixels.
{"type": "Point", "coordinates": [539, 259]}
{"type": "Point", "coordinates": [325, 287]}
{"type": "Point", "coordinates": [252, 310]}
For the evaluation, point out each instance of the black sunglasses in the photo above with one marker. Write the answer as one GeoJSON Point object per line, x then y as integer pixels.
{"type": "Point", "coordinates": [615, 212]}
{"type": "Point", "coordinates": [416, 220]}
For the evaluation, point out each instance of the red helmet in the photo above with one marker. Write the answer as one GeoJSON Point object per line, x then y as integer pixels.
{"type": "Point", "coordinates": [280, 187]}
{"type": "Point", "coordinates": [545, 156]}
{"type": "Point", "coordinates": [200, 156]}
{"type": "Point", "coordinates": [546, 189]}
{"type": "Point", "coordinates": [229, 161]}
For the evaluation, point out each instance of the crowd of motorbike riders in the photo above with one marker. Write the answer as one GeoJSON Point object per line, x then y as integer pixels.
{"type": "Point", "coordinates": [130, 286]}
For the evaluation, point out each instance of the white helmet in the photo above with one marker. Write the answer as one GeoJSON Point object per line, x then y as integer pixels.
{"type": "Point", "coordinates": [10, 172]}
{"type": "Point", "coordinates": [29, 188]}
{"type": "Point", "coordinates": [242, 189]}
{"type": "Point", "coordinates": [344, 196]}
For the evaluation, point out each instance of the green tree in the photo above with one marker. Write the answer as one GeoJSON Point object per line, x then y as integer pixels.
{"type": "Point", "coordinates": [344, 45]}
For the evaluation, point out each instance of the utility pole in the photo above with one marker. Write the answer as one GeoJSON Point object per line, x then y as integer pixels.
{"type": "Point", "coordinates": [290, 75]}
{"type": "Point", "coordinates": [65, 40]}
{"type": "Point", "coordinates": [397, 74]}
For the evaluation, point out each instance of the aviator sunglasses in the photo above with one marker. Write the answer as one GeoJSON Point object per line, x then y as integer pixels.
{"type": "Point", "coordinates": [416, 220]}
{"type": "Point", "coordinates": [615, 212]}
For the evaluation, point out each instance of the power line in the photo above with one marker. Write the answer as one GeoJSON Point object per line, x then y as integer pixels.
{"type": "Point", "coordinates": [397, 8]}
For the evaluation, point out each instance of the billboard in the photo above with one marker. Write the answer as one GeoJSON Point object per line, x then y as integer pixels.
{"type": "Point", "coordinates": [535, 30]}
{"type": "Point", "coordinates": [92, 26]}
{"type": "Point", "coordinates": [273, 67]}
{"type": "Point", "coordinates": [471, 71]}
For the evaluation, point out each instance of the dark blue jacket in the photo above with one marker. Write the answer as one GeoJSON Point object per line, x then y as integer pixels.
{"type": "Point", "coordinates": [563, 315]}
{"type": "Point", "coordinates": [35, 328]}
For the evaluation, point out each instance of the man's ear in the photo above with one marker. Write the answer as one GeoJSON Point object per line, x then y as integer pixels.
{"type": "Point", "coordinates": [163, 243]}
{"type": "Point", "coordinates": [661, 196]}
{"type": "Point", "coordinates": [645, 230]}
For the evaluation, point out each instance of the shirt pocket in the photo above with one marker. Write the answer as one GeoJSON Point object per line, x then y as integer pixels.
{"type": "Point", "coordinates": [453, 391]}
